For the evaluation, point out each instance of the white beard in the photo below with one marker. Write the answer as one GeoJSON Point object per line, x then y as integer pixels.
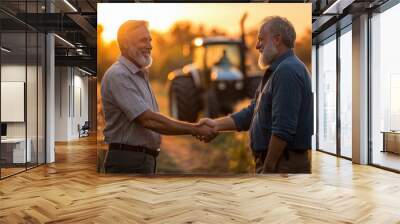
{"type": "Point", "coordinates": [142, 60]}
{"type": "Point", "coordinates": [146, 61]}
{"type": "Point", "coordinates": [267, 56]}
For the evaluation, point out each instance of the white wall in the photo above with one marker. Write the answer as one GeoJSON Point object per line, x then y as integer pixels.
{"type": "Point", "coordinates": [71, 94]}
{"type": "Point", "coordinates": [33, 127]}
{"type": "Point", "coordinates": [80, 110]}
{"type": "Point", "coordinates": [62, 81]}
{"type": "Point", "coordinates": [12, 73]}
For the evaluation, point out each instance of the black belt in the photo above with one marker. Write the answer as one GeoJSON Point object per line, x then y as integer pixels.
{"type": "Point", "coordinates": [132, 148]}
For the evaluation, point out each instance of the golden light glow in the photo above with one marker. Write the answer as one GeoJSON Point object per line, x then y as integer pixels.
{"type": "Point", "coordinates": [171, 76]}
{"type": "Point", "coordinates": [114, 16]}
{"type": "Point", "coordinates": [225, 16]}
{"type": "Point", "coordinates": [198, 42]}
{"type": "Point", "coordinates": [214, 75]}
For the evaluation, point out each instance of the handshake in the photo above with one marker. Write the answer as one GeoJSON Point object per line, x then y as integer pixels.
{"type": "Point", "coordinates": [205, 129]}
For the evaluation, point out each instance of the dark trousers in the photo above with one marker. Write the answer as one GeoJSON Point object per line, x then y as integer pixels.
{"type": "Point", "coordinates": [124, 161]}
{"type": "Point", "coordinates": [291, 161]}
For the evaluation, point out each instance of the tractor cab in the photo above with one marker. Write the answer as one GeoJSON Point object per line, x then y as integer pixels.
{"type": "Point", "coordinates": [213, 83]}
{"type": "Point", "coordinates": [219, 59]}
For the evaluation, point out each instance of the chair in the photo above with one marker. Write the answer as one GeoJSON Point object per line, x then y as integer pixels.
{"type": "Point", "coordinates": [84, 130]}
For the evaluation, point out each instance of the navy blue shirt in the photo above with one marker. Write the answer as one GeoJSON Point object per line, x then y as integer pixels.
{"type": "Point", "coordinates": [283, 106]}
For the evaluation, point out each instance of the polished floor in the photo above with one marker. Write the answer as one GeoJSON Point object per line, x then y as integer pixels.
{"type": "Point", "coordinates": [71, 191]}
{"type": "Point", "coordinates": [387, 159]}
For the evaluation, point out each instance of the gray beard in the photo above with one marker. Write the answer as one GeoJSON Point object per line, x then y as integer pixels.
{"type": "Point", "coordinates": [141, 60]}
{"type": "Point", "coordinates": [261, 63]}
{"type": "Point", "coordinates": [149, 61]}
{"type": "Point", "coordinates": [267, 56]}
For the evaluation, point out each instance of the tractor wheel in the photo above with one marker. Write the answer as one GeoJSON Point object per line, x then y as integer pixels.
{"type": "Point", "coordinates": [184, 99]}
{"type": "Point", "coordinates": [252, 84]}
{"type": "Point", "coordinates": [211, 105]}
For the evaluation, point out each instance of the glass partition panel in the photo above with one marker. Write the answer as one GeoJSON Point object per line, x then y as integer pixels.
{"type": "Point", "coordinates": [31, 97]}
{"type": "Point", "coordinates": [327, 95]}
{"type": "Point", "coordinates": [346, 94]}
{"type": "Point", "coordinates": [385, 89]}
{"type": "Point", "coordinates": [15, 149]}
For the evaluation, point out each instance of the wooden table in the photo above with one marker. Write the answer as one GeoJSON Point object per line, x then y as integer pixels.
{"type": "Point", "coordinates": [391, 141]}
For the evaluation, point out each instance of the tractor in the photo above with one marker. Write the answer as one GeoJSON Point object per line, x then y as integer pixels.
{"type": "Point", "coordinates": [215, 80]}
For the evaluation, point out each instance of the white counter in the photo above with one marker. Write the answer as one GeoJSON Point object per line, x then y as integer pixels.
{"type": "Point", "coordinates": [18, 149]}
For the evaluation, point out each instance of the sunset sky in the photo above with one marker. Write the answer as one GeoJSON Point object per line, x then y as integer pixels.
{"type": "Point", "coordinates": [225, 16]}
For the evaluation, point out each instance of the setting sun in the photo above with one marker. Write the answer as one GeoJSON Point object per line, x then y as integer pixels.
{"type": "Point", "coordinates": [115, 15]}
{"type": "Point", "coordinates": [226, 16]}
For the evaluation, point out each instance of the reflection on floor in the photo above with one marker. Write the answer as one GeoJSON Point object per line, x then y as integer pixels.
{"type": "Point", "coordinates": [10, 171]}
{"type": "Point", "coordinates": [387, 159]}
{"type": "Point", "coordinates": [71, 191]}
{"type": "Point", "coordinates": [13, 169]}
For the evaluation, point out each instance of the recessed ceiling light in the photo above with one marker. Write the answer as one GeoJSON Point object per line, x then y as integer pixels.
{"type": "Point", "coordinates": [70, 5]}
{"type": "Point", "coordinates": [5, 50]}
{"type": "Point", "coordinates": [84, 71]}
{"type": "Point", "coordinates": [337, 7]}
{"type": "Point", "coordinates": [64, 40]}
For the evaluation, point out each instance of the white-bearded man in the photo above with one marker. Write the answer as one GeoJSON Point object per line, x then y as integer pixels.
{"type": "Point", "coordinates": [133, 123]}
{"type": "Point", "coordinates": [280, 117]}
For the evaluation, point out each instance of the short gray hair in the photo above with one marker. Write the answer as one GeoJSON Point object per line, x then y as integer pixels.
{"type": "Point", "coordinates": [282, 26]}
{"type": "Point", "coordinates": [127, 27]}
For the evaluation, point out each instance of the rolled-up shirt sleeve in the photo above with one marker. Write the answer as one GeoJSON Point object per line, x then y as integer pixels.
{"type": "Point", "coordinates": [127, 97]}
{"type": "Point", "coordinates": [243, 118]}
{"type": "Point", "coordinates": [286, 102]}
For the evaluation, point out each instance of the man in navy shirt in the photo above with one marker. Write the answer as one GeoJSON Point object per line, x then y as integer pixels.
{"type": "Point", "coordinates": [280, 117]}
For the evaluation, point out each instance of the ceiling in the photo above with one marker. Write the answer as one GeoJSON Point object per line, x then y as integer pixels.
{"type": "Point", "coordinates": [75, 21]}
